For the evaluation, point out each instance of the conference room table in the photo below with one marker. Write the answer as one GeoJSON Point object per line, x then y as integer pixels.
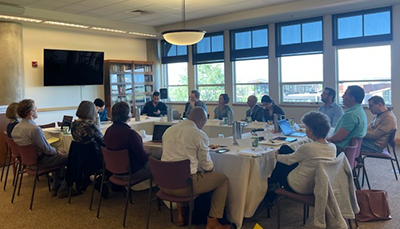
{"type": "Point", "coordinates": [247, 170]}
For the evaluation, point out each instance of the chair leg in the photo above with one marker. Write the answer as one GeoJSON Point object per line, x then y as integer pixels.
{"type": "Point", "coordinates": [366, 177]}
{"type": "Point", "coordinates": [304, 214]}
{"type": "Point", "coordinates": [171, 213]}
{"type": "Point", "coordinates": [20, 181]}
{"type": "Point", "coordinates": [397, 161]}
{"type": "Point", "coordinates": [101, 191]}
{"type": "Point", "coordinates": [69, 194]}
{"type": "Point", "coordinates": [128, 196]}
{"type": "Point", "coordinates": [16, 173]}
{"type": "Point", "coordinates": [355, 221]}
{"type": "Point", "coordinates": [191, 206]}
{"type": "Point", "coordinates": [16, 184]}
{"type": "Point", "coordinates": [48, 182]}
{"type": "Point", "coordinates": [4, 165]}
{"type": "Point", "coordinates": [356, 181]}
{"type": "Point", "coordinates": [278, 208]}
{"type": "Point", "coordinates": [308, 211]}
{"type": "Point", "coordinates": [8, 169]}
{"type": "Point", "coordinates": [33, 191]}
{"type": "Point", "coordinates": [91, 198]}
{"type": "Point", "coordinates": [394, 169]}
{"type": "Point", "coordinates": [149, 205]}
{"type": "Point", "coordinates": [159, 204]}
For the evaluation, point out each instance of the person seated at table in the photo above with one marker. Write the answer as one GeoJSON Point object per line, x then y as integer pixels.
{"type": "Point", "coordinates": [120, 136]}
{"type": "Point", "coordinates": [330, 108]}
{"type": "Point", "coordinates": [27, 132]}
{"type": "Point", "coordinates": [270, 108]}
{"type": "Point", "coordinates": [11, 114]}
{"type": "Point", "coordinates": [186, 140]}
{"type": "Point", "coordinates": [380, 128]}
{"type": "Point", "coordinates": [256, 112]}
{"type": "Point", "coordinates": [155, 108]}
{"type": "Point", "coordinates": [194, 101]}
{"type": "Point", "coordinates": [353, 123]}
{"type": "Point", "coordinates": [295, 170]}
{"type": "Point", "coordinates": [101, 109]}
{"type": "Point", "coordinates": [222, 109]}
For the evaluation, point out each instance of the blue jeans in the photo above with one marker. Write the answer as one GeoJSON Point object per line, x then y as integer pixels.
{"type": "Point", "coordinates": [369, 146]}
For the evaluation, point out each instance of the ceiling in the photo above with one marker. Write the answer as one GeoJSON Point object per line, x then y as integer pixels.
{"type": "Point", "coordinates": [156, 12]}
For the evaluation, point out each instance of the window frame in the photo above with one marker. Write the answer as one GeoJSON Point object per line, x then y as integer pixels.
{"type": "Point", "coordinates": [362, 39]}
{"type": "Point", "coordinates": [209, 85]}
{"type": "Point", "coordinates": [173, 59]}
{"type": "Point", "coordinates": [209, 57]}
{"type": "Point", "coordinates": [167, 85]}
{"type": "Point", "coordinates": [301, 48]}
{"type": "Point", "coordinates": [248, 53]}
{"type": "Point", "coordinates": [361, 45]}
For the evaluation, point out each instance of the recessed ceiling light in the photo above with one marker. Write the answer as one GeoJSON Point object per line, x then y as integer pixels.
{"type": "Point", "coordinates": [108, 30]}
{"type": "Point", "coordinates": [20, 18]}
{"type": "Point", "coordinates": [66, 24]}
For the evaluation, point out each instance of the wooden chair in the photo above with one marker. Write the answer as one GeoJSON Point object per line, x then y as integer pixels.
{"type": "Point", "coordinates": [387, 154]}
{"type": "Point", "coordinates": [50, 125]}
{"type": "Point", "coordinates": [29, 158]}
{"type": "Point", "coordinates": [171, 175]}
{"type": "Point", "coordinates": [118, 162]}
{"type": "Point", "coordinates": [13, 159]}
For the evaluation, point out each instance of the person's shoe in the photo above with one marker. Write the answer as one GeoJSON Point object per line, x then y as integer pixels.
{"type": "Point", "coordinates": [53, 192]}
{"type": "Point", "coordinates": [64, 193]}
{"type": "Point", "coordinates": [182, 216]}
{"type": "Point", "coordinates": [212, 223]}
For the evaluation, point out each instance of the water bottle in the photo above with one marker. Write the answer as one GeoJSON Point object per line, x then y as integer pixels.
{"type": "Point", "coordinates": [137, 114]}
{"type": "Point", "coordinates": [230, 117]}
{"type": "Point", "coordinates": [276, 126]}
{"type": "Point", "coordinates": [237, 132]}
{"type": "Point", "coordinates": [170, 115]}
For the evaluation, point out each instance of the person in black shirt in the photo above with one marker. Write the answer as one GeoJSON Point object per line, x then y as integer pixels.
{"type": "Point", "coordinates": [155, 108]}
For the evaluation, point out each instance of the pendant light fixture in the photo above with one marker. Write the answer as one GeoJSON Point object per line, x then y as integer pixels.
{"type": "Point", "coordinates": [183, 36]}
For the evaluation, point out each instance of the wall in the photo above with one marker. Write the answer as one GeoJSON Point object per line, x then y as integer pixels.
{"type": "Point", "coordinates": [37, 38]}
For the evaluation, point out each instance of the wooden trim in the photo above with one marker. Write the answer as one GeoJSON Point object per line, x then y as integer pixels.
{"type": "Point", "coordinates": [57, 109]}
{"type": "Point", "coordinates": [142, 62]}
{"type": "Point", "coordinates": [119, 61]}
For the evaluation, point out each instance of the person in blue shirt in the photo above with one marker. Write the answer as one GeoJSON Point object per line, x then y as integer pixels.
{"type": "Point", "coordinates": [101, 109]}
{"type": "Point", "coordinates": [353, 123]}
{"type": "Point", "coordinates": [330, 108]}
{"type": "Point", "coordinates": [194, 101]}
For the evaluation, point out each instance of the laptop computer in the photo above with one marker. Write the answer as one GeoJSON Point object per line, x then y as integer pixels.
{"type": "Point", "coordinates": [158, 132]}
{"type": "Point", "coordinates": [67, 121]}
{"type": "Point", "coordinates": [287, 129]}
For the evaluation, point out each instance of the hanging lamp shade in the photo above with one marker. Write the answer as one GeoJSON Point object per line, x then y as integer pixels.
{"type": "Point", "coordinates": [183, 36]}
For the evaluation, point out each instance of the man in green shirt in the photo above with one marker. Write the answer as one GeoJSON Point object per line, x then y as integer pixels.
{"type": "Point", "coordinates": [354, 121]}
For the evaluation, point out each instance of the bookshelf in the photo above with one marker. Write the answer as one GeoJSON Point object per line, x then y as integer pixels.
{"type": "Point", "coordinates": [129, 81]}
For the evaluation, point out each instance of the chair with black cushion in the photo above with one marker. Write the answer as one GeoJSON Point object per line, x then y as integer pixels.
{"type": "Point", "coordinates": [29, 158]}
{"type": "Point", "coordinates": [50, 125]}
{"type": "Point", "coordinates": [387, 154]}
{"type": "Point", "coordinates": [118, 162]}
{"type": "Point", "coordinates": [171, 175]}
{"type": "Point", "coordinates": [83, 161]}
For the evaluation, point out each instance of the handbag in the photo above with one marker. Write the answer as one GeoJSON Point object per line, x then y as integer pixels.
{"type": "Point", "coordinates": [373, 204]}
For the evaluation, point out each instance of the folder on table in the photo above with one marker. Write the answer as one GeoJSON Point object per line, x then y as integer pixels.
{"type": "Point", "coordinates": [52, 140]}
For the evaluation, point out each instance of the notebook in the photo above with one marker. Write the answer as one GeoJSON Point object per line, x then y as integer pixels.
{"type": "Point", "coordinates": [287, 129]}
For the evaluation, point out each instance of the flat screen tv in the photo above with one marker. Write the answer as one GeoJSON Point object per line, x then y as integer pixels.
{"type": "Point", "coordinates": [67, 68]}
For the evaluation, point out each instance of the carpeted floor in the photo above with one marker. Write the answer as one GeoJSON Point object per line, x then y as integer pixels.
{"type": "Point", "coordinates": [51, 212]}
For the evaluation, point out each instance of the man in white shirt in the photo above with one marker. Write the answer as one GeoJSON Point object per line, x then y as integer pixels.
{"type": "Point", "coordinates": [186, 140]}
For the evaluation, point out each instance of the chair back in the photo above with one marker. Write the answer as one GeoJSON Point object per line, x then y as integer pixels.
{"type": "Point", "coordinates": [392, 139]}
{"type": "Point", "coordinates": [351, 152]}
{"type": "Point", "coordinates": [59, 124]}
{"type": "Point", "coordinates": [50, 125]}
{"type": "Point", "coordinates": [171, 174]}
{"type": "Point", "coordinates": [28, 154]}
{"type": "Point", "coordinates": [357, 141]}
{"type": "Point", "coordinates": [116, 161]}
{"type": "Point", "coordinates": [13, 146]}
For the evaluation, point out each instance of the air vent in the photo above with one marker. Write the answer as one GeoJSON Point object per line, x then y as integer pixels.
{"type": "Point", "coordinates": [138, 12]}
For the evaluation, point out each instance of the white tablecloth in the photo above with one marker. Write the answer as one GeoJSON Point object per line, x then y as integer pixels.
{"type": "Point", "coordinates": [248, 175]}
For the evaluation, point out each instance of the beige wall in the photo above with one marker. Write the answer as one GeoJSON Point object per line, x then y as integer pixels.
{"type": "Point", "coordinates": [37, 38]}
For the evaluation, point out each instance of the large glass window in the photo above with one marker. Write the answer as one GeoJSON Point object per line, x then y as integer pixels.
{"type": "Point", "coordinates": [177, 77]}
{"type": "Point", "coordinates": [210, 81]}
{"type": "Point", "coordinates": [368, 67]}
{"type": "Point", "coordinates": [362, 26]}
{"type": "Point", "coordinates": [251, 78]}
{"type": "Point", "coordinates": [302, 78]}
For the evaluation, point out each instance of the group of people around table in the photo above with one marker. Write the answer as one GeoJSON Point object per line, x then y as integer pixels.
{"type": "Point", "coordinates": [294, 171]}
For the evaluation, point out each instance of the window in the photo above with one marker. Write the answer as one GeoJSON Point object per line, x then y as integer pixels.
{"type": "Point", "coordinates": [208, 56]}
{"type": "Point", "coordinates": [299, 37]}
{"type": "Point", "coordinates": [174, 59]}
{"type": "Point", "coordinates": [368, 67]}
{"type": "Point", "coordinates": [362, 26]}
{"type": "Point", "coordinates": [210, 81]}
{"type": "Point", "coordinates": [302, 78]}
{"type": "Point", "coordinates": [300, 48]}
{"type": "Point", "coordinates": [177, 76]}
{"type": "Point", "coordinates": [249, 51]}
{"type": "Point", "coordinates": [251, 78]}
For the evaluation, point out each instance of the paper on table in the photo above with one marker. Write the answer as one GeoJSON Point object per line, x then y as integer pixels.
{"type": "Point", "coordinates": [228, 142]}
{"type": "Point", "coordinates": [255, 153]}
{"type": "Point", "coordinates": [244, 142]}
{"type": "Point", "coordinates": [52, 140]}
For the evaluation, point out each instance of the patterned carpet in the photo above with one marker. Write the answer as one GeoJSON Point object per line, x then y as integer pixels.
{"type": "Point", "coordinates": [51, 212]}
